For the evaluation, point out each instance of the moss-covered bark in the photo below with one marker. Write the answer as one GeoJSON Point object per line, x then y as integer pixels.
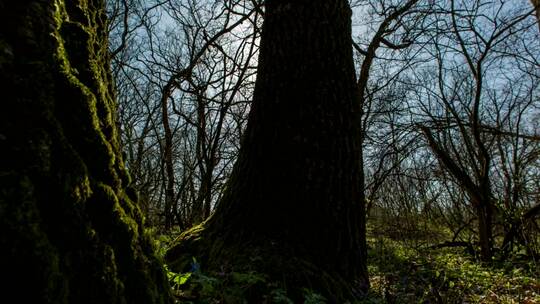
{"type": "Point", "coordinates": [70, 230]}
{"type": "Point", "coordinates": [292, 208]}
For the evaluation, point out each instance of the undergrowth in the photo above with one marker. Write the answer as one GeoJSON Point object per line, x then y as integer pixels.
{"type": "Point", "coordinates": [230, 287]}
{"type": "Point", "coordinates": [398, 274]}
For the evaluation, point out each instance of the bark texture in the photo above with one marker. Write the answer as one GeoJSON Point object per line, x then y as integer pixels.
{"type": "Point", "coordinates": [294, 196]}
{"type": "Point", "coordinates": [71, 232]}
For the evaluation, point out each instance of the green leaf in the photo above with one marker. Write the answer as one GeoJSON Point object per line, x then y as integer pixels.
{"type": "Point", "coordinates": [181, 278]}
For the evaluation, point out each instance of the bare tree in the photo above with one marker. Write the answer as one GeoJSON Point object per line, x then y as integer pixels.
{"type": "Point", "coordinates": [187, 70]}
{"type": "Point", "coordinates": [472, 46]}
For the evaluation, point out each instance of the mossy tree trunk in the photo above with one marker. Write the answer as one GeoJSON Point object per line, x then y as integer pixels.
{"type": "Point", "coordinates": [70, 229]}
{"type": "Point", "coordinates": [295, 189]}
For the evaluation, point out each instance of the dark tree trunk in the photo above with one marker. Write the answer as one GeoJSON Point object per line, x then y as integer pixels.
{"type": "Point", "coordinates": [71, 231]}
{"type": "Point", "coordinates": [536, 4]}
{"type": "Point", "coordinates": [170, 210]}
{"type": "Point", "coordinates": [295, 189]}
{"type": "Point", "coordinates": [484, 211]}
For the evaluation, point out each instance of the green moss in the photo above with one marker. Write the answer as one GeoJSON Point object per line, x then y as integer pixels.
{"type": "Point", "coordinates": [72, 233]}
{"type": "Point", "coordinates": [185, 248]}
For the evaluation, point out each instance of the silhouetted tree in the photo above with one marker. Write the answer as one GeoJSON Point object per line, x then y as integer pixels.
{"type": "Point", "coordinates": [294, 195]}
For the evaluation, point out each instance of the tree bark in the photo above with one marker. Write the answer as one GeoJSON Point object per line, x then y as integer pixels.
{"type": "Point", "coordinates": [295, 191]}
{"type": "Point", "coordinates": [71, 230]}
{"type": "Point", "coordinates": [484, 211]}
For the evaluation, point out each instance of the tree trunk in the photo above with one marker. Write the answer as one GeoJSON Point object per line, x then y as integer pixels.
{"type": "Point", "coordinates": [71, 231]}
{"type": "Point", "coordinates": [170, 210]}
{"type": "Point", "coordinates": [484, 212]}
{"type": "Point", "coordinates": [536, 4]}
{"type": "Point", "coordinates": [294, 193]}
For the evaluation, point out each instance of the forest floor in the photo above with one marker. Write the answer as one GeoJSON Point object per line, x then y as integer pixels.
{"type": "Point", "coordinates": [401, 271]}
{"type": "Point", "coordinates": [401, 274]}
